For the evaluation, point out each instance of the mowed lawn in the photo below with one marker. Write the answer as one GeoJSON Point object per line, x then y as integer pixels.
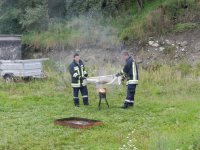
{"type": "Point", "coordinates": [166, 116]}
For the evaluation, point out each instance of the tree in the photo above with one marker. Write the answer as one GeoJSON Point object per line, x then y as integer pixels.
{"type": "Point", "coordinates": [140, 4]}
{"type": "Point", "coordinates": [22, 15]}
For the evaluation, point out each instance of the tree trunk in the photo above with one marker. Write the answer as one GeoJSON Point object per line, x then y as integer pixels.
{"type": "Point", "coordinates": [140, 4]}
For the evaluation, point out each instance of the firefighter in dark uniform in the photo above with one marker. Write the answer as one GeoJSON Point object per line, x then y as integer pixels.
{"type": "Point", "coordinates": [78, 75]}
{"type": "Point", "coordinates": [130, 71]}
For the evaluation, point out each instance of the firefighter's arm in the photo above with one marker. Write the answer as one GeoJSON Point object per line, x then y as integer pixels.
{"type": "Point", "coordinates": [85, 72]}
{"type": "Point", "coordinates": [123, 72]}
{"type": "Point", "coordinates": [73, 72]}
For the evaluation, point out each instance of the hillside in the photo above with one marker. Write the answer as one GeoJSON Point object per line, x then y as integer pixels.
{"type": "Point", "coordinates": [162, 32]}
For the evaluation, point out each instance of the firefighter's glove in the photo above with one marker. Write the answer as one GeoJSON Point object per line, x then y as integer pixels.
{"type": "Point", "coordinates": [84, 82]}
{"type": "Point", "coordinates": [83, 78]}
{"type": "Point", "coordinates": [86, 75]}
{"type": "Point", "coordinates": [118, 74]}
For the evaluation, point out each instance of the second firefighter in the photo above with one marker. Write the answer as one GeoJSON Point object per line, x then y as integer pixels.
{"type": "Point", "coordinates": [78, 75]}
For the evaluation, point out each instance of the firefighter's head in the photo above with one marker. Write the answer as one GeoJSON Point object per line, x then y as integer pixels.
{"type": "Point", "coordinates": [76, 57]}
{"type": "Point", "coordinates": [125, 55]}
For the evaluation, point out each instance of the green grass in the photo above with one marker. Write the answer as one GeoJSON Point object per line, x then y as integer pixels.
{"type": "Point", "coordinates": [57, 36]}
{"type": "Point", "coordinates": [166, 115]}
{"type": "Point", "coordinates": [157, 18]}
{"type": "Point", "coordinates": [181, 27]}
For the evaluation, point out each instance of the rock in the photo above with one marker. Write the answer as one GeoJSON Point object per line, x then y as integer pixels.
{"type": "Point", "coordinates": [184, 43]}
{"type": "Point", "coordinates": [155, 45]}
{"type": "Point", "coordinates": [197, 46]}
{"type": "Point", "coordinates": [176, 56]}
{"type": "Point", "coordinates": [168, 42]}
{"type": "Point", "coordinates": [183, 50]}
{"type": "Point", "coordinates": [161, 49]}
{"type": "Point", "coordinates": [151, 43]}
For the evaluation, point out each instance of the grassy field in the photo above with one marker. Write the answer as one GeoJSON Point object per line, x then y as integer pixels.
{"type": "Point", "coordinates": [166, 115]}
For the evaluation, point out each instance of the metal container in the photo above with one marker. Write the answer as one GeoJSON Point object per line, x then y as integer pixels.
{"type": "Point", "coordinates": [22, 68]}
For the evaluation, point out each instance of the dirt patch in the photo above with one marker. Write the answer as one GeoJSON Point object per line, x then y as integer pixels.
{"type": "Point", "coordinates": [78, 123]}
{"type": "Point", "coordinates": [163, 50]}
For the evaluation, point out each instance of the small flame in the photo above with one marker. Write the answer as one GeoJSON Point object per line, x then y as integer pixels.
{"type": "Point", "coordinates": [102, 90]}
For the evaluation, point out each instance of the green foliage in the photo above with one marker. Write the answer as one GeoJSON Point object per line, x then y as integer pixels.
{"type": "Point", "coordinates": [161, 17]}
{"type": "Point", "coordinates": [57, 35]}
{"type": "Point", "coordinates": [181, 27]}
{"type": "Point", "coordinates": [23, 15]}
{"type": "Point", "coordinates": [35, 18]}
{"type": "Point", "coordinates": [157, 17]}
{"type": "Point", "coordinates": [93, 7]}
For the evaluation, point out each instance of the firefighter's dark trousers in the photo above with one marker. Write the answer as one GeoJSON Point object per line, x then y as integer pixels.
{"type": "Point", "coordinates": [84, 93]}
{"type": "Point", "coordinates": [131, 88]}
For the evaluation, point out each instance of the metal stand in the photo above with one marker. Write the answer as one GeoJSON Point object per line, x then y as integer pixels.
{"type": "Point", "coordinates": [101, 96]}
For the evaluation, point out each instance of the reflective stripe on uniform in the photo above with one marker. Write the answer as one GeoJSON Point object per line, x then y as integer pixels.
{"type": "Point", "coordinates": [85, 96]}
{"type": "Point", "coordinates": [75, 75]}
{"type": "Point", "coordinates": [122, 72]}
{"type": "Point", "coordinates": [85, 72]}
{"type": "Point", "coordinates": [132, 82]}
{"type": "Point", "coordinates": [77, 69]}
{"type": "Point", "coordinates": [76, 98]}
{"type": "Point", "coordinates": [82, 73]}
{"type": "Point", "coordinates": [134, 71]}
{"type": "Point", "coordinates": [75, 84]}
{"type": "Point", "coordinates": [128, 101]}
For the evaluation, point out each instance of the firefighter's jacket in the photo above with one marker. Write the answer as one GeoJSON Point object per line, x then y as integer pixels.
{"type": "Point", "coordinates": [130, 70]}
{"type": "Point", "coordinates": [78, 73]}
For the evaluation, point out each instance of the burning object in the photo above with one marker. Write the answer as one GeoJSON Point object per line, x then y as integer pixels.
{"type": "Point", "coordinates": [78, 123]}
{"type": "Point", "coordinates": [103, 80]}
{"type": "Point", "coordinates": [102, 95]}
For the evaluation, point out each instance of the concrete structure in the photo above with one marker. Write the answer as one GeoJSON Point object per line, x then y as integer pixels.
{"type": "Point", "coordinates": [10, 47]}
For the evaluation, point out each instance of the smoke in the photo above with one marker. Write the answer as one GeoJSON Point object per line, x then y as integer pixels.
{"type": "Point", "coordinates": [91, 33]}
{"type": "Point", "coordinates": [96, 40]}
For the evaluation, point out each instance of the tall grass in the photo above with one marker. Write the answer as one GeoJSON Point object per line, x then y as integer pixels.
{"type": "Point", "coordinates": [76, 33]}
{"type": "Point", "coordinates": [165, 115]}
{"type": "Point", "coordinates": [161, 17]}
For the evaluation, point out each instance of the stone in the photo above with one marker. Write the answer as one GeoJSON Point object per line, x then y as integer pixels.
{"type": "Point", "coordinates": [184, 43]}
{"type": "Point", "coordinates": [168, 42]}
{"type": "Point", "coordinates": [155, 45]}
{"type": "Point", "coordinates": [161, 49]}
{"type": "Point", "coordinates": [197, 46]}
{"type": "Point", "coordinates": [151, 43]}
{"type": "Point", "coordinates": [183, 50]}
{"type": "Point", "coordinates": [176, 56]}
